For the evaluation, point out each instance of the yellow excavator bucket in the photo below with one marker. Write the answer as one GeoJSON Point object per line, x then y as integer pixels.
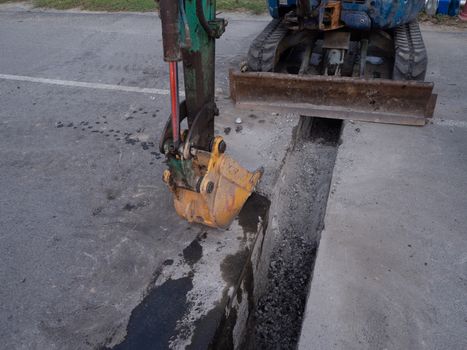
{"type": "Point", "coordinates": [223, 191]}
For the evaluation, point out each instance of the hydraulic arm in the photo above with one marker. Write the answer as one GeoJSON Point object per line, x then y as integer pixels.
{"type": "Point", "coordinates": [346, 59]}
{"type": "Point", "coordinates": [208, 186]}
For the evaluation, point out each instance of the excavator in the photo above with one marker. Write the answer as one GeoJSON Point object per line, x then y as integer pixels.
{"type": "Point", "coordinates": [362, 60]}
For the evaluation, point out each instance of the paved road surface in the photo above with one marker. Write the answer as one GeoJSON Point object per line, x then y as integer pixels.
{"type": "Point", "coordinates": [86, 225]}
{"type": "Point", "coordinates": [391, 271]}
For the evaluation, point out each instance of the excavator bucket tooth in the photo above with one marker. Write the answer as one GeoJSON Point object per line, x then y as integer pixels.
{"type": "Point", "coordinates": [223, 190]}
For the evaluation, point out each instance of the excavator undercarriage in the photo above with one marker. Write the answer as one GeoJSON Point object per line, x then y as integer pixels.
{"type": "Point", "coordinates": [374, 76]}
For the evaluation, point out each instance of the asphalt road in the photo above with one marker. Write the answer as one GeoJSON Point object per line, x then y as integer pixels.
{"type": "Point", "coordinates": [86, 224]}
{"type": "Point", "coordinates": [391, 269]}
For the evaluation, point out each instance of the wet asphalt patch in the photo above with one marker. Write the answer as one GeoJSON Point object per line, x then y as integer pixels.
{"type": "Point", "coordinates": [155, 322]}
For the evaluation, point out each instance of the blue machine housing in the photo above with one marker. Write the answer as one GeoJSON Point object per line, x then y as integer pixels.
{"type": "Point", "coordinates": [361, 14]}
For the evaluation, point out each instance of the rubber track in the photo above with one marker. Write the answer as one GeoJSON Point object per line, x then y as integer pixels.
{"type": "Point", "coordinates": [262, 52]}
{"type": "Point", "coordinates": [410, 54]}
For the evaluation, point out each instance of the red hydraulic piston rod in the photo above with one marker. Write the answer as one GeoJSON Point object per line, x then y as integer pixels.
{"type": "Point", "coordinates": [169, 13]}
{"type": "Point", "coordinates": [175, 104]}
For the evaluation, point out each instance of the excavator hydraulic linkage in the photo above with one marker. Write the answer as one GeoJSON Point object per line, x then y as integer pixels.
{"type": "Point", "coordinates": [342, 59]}
{"type": "Point", "coordinates": [208, 186]}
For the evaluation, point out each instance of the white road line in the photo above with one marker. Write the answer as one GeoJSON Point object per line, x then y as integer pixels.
{"type": "Point", "coordinates": [85, 85]}
{"type": "Point", "coordinates": [450, 123]}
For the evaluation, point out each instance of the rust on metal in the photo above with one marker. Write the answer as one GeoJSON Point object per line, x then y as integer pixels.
{"type": "Point", "coordinates": [331, 16]}
{"type": "Point", "coordinates": [170, 31]}
{"type": "Point", "coordinates": [373, 100]}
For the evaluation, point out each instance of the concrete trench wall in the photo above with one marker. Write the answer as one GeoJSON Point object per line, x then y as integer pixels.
{"type": "Point", "coordinates": [266, 308]}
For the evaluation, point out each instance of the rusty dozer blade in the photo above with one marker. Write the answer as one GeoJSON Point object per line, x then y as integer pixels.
{"type": "Point", "coordinates": [372, 100]}
{"type": "Point", "coordinates": [222, 190]}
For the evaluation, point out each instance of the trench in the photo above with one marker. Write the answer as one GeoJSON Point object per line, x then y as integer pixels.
{"type": "Point", "coordinates": [159, 321]}
{"type": "Point", "coordinates": [274, 290]}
